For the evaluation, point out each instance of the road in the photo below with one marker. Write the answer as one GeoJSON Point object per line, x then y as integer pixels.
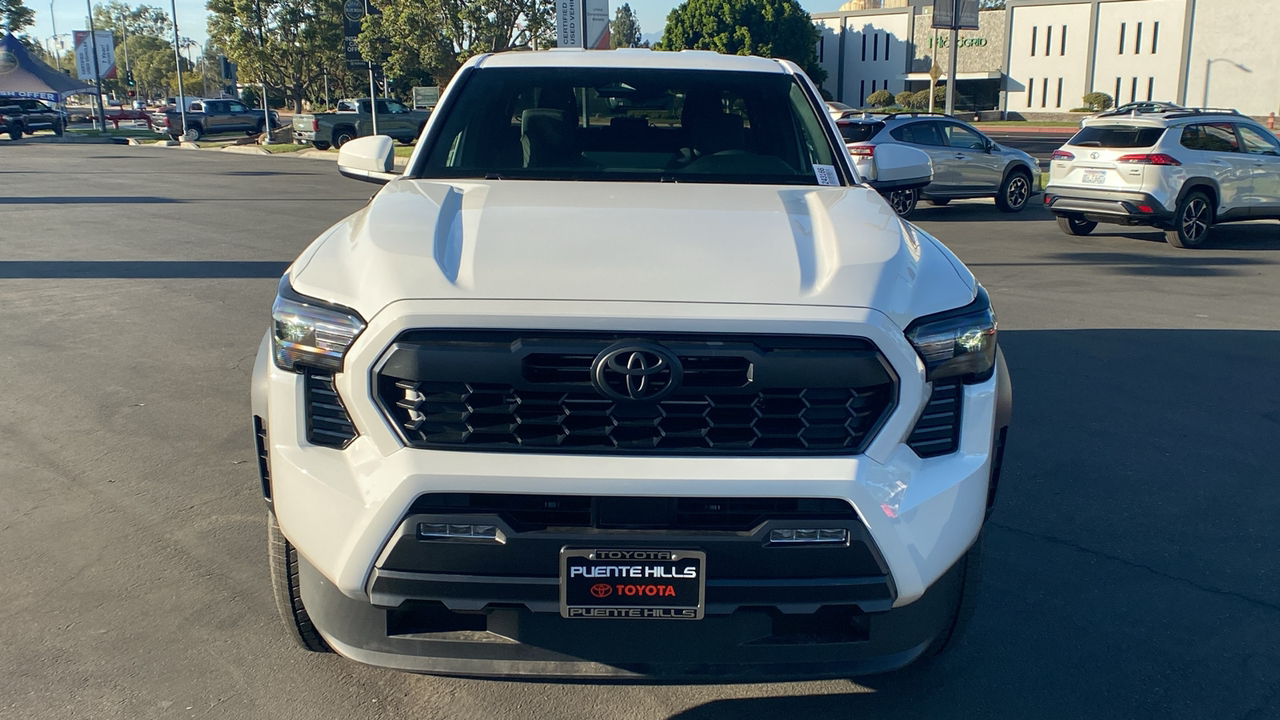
{"type": "Point", "coordinates": [1131, 564]}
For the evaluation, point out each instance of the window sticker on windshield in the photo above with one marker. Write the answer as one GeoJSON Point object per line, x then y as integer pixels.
{"type": "Point", "coordinates": [826, 174]}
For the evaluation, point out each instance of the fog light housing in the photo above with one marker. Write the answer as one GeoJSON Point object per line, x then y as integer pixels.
{"type": "Point", "coordinates": [794, 536]}
{"type": "Point", "coordinates": [460, 532]}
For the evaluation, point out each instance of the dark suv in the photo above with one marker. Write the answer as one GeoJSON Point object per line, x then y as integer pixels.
{"type": "Point", "coordinates": [26, 115]}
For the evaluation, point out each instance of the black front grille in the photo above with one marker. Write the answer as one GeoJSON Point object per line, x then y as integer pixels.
{"type": "Point", "coordinates": [502, 391]}
{"type": "Point", "coordinates": [328, 423]}
{"type": "Point", "coordinates": [937, 432]}
{"type": "Point", "coordinates": [532, 513]}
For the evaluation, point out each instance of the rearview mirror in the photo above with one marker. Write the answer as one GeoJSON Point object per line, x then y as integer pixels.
{"type": "Point", "coordinates": [369, 159]}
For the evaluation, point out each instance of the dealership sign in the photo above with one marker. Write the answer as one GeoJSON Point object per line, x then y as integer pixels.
{"type": "Point", "coordinates": [582, 24]}
{"type": "Point", "coordinates": [84, 54]}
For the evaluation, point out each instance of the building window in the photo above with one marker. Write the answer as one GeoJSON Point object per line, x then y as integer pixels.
{"type": "Point", "coordinates": [1033, 41]}
{"type": "Point", "coordinates": [886, 84]}
{"type": "Point", "coordinates": [886, 51]}
{"type": "Point", "coordinates": [1151, 87]}
{"type": "Point", "coordinates": [1044, 93]}
{"type": "Point", "coordinates": [1117, 95]}
{"type": "Point", "coordinates": [1133, 91]}
{"type": "Point", "coordinates": [875, 47]}
{"type": "Point", "coordinates": [822, 41]}
{"type": "Point", "coordinates": [864, 47]}
{"type": "Point", "coordinates": [873, 87]}
{"type": "Point", "coordinates": [862, 91]}
{"type": "Point", "coordinates": [1121, 38]}
{"type": "Point", "coordinates": [1048, 40]}
{"type": "Point", "coordinates": [1155, 37]}
{"type": "Point", "coordinates": [1064, 41]}
{"type": "Point", "coordinates": [1060, 93]}
{"type": "Point", "coordinates": [1031, 91]}
{"type": "Point", "coordinates": [1137, 40]}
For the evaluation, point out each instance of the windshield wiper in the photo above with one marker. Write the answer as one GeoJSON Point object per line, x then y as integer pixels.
{"type": "Point", "coordinates": [494, 176]}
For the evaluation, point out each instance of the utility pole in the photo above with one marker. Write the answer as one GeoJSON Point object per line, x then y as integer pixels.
{"type": "Point", "coordinates": [124, 33]}
{"type": "Point", "coordinates": [177, 62]}
{"type": "Point", "coordinates": [262, 45]}
{"type": "Point", "coordinates": [97, 73]}
{"type": "Point", "coordinates": [953, 41]}
{"type": "Point", "coordinates": [57, 57]}
{"type": "Point", "coordinates": [373, 91]}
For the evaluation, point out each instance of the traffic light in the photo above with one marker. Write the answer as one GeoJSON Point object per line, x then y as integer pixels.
{"type": "Point", "coordinates": [128, 76]}
{"type": "Point", "coordinates": [133, 93]}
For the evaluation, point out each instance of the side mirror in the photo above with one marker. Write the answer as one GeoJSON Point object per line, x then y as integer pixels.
{"type": "Point", "coordinates": [899, 167]}
{"type": "Point", "coordinates": [370, 159]}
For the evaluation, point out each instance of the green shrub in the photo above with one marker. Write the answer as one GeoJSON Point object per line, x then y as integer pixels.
{"type": "Point", "coordinates": [880, 98]}
{"type": "Point", "coordinates": [1098, 101]}
{"type": "Point", "coordinates": [904, 98]}
{"type": "Point", "coordinates": [1082, 109]}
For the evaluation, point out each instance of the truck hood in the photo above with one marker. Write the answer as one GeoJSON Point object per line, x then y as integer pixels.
{"type": "Point", "coordinates": [643, 242]}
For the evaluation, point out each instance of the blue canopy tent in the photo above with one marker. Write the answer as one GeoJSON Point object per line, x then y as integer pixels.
{"type": "Point", "coordinates": [22, 75]}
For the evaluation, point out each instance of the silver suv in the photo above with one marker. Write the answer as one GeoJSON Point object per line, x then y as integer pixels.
{"type": "Point", "coordinates": [1178, 169]}
{"type": "Point", "coordinates": [966, 163]}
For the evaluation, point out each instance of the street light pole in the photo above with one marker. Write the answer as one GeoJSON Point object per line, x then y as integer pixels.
{"type": "Point", "coordinates": [177, 62]}
{"type": "Point", "coordinates": [56, 56]}
{"type": "Point", "coordinates": [97, 73]}
{"type": "Point", "coordinates": [124, 33]}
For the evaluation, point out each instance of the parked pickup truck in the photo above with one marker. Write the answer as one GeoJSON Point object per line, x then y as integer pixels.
{"type": "Point", "coordinates": [208, 117]}
{"type": "Point", "coordinates": [325, 130]}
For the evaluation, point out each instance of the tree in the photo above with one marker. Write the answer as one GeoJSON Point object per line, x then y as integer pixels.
{"type": "Point", "coordinates": [289, 44]}
{"type": "Point", "coordinates": [142, 20]}
{"type": "Point", "coordinates": [624, 31]}
{"type": "Point", "coordinates": [437, 36]}
{"type": "Point", "coordinates": [771, 28]}
{"type": "Point", "coordinates": [17, 16]}
{"type": "Point", "coordinates": [991, 4]}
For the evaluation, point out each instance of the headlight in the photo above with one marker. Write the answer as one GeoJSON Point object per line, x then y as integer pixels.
{"type": "Point", "coordinates": [306, 331]}
{"type": "Point", "coordinates": [957, 342]}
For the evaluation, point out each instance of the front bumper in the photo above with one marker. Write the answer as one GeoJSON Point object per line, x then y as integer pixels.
{"type": "Point", "coordinates": [344, 510]}
{"type": "Point", "coordinates": [1107, 206]}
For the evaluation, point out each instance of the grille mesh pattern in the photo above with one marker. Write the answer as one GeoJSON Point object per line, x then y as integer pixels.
{"type": "Point", "coordinates": [481, 415]}
{"type": "Point", "coordinates": [508, 391]}
{"type": "Point", "coordinates": [937, 432]}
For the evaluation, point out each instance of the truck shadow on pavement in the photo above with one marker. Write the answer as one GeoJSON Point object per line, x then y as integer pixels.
{"type": "Point", "coordinates": [1130, 565]}
{"type": "Point", "coordinates": [140, 269]}
{"type": "Point", "coordinates": [1253, 235]}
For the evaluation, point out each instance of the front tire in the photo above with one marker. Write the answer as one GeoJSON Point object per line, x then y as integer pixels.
{"type": "Point", "coordinates": [1075, 225]}
{"type": "Point", "coordinates": [15, 133]}
{"type": "Point", "coordinates": [194, 133]}
{"type": "Point", "coordinates": [903, 202]}
{"type": "Point", "coordinates": [283, 560]}
{"type": "Point", "coordinates": [1014, 192]}
{"type": "Point", "coordinates": [320, 145]}
{"type": "Point", "coordinates": [57, 128]}
{"type": "Point", "coordinates": [1191, 221]}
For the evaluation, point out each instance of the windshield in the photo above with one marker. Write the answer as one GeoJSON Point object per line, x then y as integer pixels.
{"type": "Point", "coordinates": [632, 124]}
{"type": "Point", "coordinates": [1117, 136]}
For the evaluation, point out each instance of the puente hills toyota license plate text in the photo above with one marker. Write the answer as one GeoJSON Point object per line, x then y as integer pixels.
{"type": "Point", "coordinates": [638, 584]}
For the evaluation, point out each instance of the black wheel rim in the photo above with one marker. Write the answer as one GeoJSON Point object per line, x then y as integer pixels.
{"type": "Point", "coordinates": [902, 201]}
{"type": "Point", "coordinates": [341, 139]}
{"type": "Point", "coordinates": [1018, 191]}
{"type": "Point", "coordinates": [1195, 220]}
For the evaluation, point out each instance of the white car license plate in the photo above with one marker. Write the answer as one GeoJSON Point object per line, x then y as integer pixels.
{"type": "Point", "coordinates": [1095, 177]}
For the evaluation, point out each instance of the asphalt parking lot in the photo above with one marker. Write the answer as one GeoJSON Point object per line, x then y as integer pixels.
{"type": "Point", "coordinates": [1131, 567]}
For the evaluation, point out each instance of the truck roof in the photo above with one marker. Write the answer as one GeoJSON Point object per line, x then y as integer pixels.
{"type": "Point", "coordinates": [631, 58]}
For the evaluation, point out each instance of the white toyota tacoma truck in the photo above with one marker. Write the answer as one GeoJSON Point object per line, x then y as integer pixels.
{"type": "Point", "coordinates": [628, 375]}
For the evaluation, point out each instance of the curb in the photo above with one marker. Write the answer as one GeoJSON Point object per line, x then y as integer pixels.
{"type": "Point", "coordinates": [243, 150]}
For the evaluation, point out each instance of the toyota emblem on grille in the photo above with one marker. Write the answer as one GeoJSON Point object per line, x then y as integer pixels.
{"type": "Point", "coordinates": [644, 372]}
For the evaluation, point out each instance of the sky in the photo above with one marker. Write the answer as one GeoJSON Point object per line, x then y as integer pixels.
{"type": "Point", "coordinates": [70, 15]}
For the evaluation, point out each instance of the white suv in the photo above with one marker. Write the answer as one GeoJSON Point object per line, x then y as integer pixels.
{"type": "Point", "coordinates": [627, 376]}
{"type": "Point", "coordinates": [1178, 169]}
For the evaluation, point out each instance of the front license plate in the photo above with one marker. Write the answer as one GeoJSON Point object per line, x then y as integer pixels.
{"type": "Point", "coordinates": [1095, 177]}
{"type": "Point", "coordinates": [632, 584]}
